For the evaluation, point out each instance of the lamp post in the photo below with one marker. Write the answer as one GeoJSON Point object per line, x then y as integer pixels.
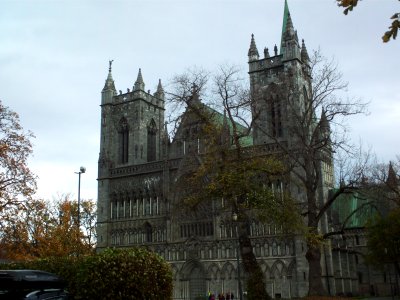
{"type": "Point", "coordinates": [235, 218]}
{"type": "Point", "coordinates": [81, 171]}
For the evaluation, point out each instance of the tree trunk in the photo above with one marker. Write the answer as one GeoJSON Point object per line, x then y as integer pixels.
{"type": "Point", "coordinates": [313, 254]}
{"type": "Point", "coordinates": [255, 282]}
{"type": "Point", "coordinates": [315, 285]}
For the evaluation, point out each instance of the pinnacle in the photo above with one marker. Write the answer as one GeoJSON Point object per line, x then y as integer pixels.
{"type": "Point", "coordinates": [139, 77]}
{"type": "Point", "coordinates": [139, 84]}
{"type": "Point", "coordinates": [253, 52]}
{"type": "Point", "coordinates": [159, 87]}
{"type": "Point", "coordinates": [304, 53]}
{"type": "Point", "coordinates": [109, 84]}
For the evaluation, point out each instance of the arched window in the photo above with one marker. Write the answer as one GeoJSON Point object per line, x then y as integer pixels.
{"type": "Point", "coordinates": [149, 232]}
{"type": "Point", "coordinates": [151, 141]}
{"type": "Point", "coordinates": [123, 140]}
{"type": "Point", "coordinates": [276, 117]}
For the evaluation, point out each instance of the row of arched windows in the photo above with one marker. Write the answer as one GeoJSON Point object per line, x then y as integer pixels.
{"type": "Point", "coordinates": [197, 229]}
{"type": "Point", "coordinates": [130, 208]}
{"type": "Point", "coordinates": [138, 236]}
{"type": "Point", "coordinates": [228, 229]}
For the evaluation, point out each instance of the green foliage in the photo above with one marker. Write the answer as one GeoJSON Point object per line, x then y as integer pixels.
{"type": "Point", "coordinates": [255, 289]}
{"type": "Point", "coordinates": [125, 274]}
{"type": "Point", "coordinates": [384, 239]}
{"type": "Point", "coordinates": [393, 29]}
{"type": "Point", "coordinates": [113, 274]}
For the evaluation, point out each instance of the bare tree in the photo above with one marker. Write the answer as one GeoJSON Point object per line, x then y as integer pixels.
{"type": "Point", "coordinates": [311, 142]}
{"type": "Point", "coordinates": [229, 168]}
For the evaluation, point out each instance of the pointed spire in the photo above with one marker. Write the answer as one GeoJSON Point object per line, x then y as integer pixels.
{"type": "Point", "coordinates": [194, 98]}
{"type": "Point", "coordinates": [160, 91]}
{"type": "Point", "coordinates": [304, 53]}
{"type": "Point", "coordinates": [266, 52]}
{"type": "Point", "coordinates": [286, 14]}
{"type": "Point", "coordinates": [324, 123]}
{"type": "Point", "coordinates": [165, 133]}
{"type": "Point", "coordinates": [139, 84]}
{"type": "Point", "coordinates": [289, 24]}
{"type": "Point", "coordinates": [253, 52]}
{"type": "Point", "coordinates": [392, 181]}
{"type": "Point", "coordinates": [159, 86]}
{"type": "Point", "coordinates": [109, 85]}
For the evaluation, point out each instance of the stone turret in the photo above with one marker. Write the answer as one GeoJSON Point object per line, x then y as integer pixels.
{"type": "Point", "coordinates": [109, 87]}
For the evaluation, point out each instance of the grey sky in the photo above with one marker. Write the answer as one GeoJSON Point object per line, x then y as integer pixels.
{"type": "Point", "coordinates": [54, 61]}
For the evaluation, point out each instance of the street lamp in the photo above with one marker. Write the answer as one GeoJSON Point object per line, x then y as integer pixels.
{"type": "Point", "coordinates": [235, 218]}
{"type": "Point", "coordinates": [81, 171]}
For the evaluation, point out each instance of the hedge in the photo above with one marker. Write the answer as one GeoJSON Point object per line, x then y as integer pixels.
{"type": "Point", "coordinates": [133, 273]}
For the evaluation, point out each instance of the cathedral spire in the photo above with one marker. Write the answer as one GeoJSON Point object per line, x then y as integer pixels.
{"type": "Point", "coordinates": [253, 52]}
{"type": "Point", "coordinates": [139, 84]}
{"type": "Point", "coordinates": [290, 48]}
{"type": "Point", "coordinates": [286, 15]}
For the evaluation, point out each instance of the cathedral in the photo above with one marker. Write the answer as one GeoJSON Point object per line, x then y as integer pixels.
{"type": "Point", "coordinates": [138, 167]}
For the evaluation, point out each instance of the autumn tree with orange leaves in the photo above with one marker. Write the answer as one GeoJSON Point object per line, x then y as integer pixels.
{"type": "Point", "coordinates": [17, 182]}
{"type": "Point", "coordinates": [46, 229]}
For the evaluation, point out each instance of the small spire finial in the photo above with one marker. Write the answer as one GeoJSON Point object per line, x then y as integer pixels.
{"type": "Point", "coordinates": [110, 65]}
{"type": "Point", "coordinates": [266, 52]}
{"type": "Point", "coordinates": [276, 50]}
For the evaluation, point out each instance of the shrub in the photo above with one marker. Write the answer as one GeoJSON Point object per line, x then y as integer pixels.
{"type": "Point", "coordinates": [125, 274]}
{"type": "Point", "coordinates": [113, 274]}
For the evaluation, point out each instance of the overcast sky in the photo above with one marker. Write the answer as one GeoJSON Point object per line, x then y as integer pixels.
{"type": "Point", "coordinates": [54, 61]}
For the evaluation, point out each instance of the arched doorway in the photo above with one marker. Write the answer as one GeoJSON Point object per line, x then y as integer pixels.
{"type": "Point", "coordinates": [197, 283]}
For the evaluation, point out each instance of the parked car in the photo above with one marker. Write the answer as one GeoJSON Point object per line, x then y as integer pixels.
{"type": "Point", "coordinates": [31, 285]}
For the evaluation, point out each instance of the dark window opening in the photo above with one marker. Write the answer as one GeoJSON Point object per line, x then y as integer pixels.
{"type": "Point", "coordinates": [276, 119]}
{"type": "Point", "coordinates": [360, 277]}
{"type": "Point", "coordinates": [123, 141]}
{"type": "Point", "coordinates": [151, 141]}
{"type": "Point", "coordinates": [149, 233]}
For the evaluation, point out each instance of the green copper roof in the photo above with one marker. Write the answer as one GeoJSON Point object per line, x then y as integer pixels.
{"type": "Point", "coordinates": [219, 119]}
{"type": "Point", "coordinates": [346, 204]}
{"type": "Point", "coordinates": [285, 17]}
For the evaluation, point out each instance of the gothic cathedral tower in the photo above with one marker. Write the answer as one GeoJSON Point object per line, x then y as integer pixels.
{"type": "Point", "coordinates": [132, 131]}
{"type": "Point", "coordinates": [269, 76]}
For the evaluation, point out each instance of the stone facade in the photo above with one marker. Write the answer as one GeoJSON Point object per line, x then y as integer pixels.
{"type": "Point", "coordinates": [139, 165]}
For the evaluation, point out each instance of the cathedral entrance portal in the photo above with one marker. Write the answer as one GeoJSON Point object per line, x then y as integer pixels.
{"type": "Point", "coordinates": [197, 283]}
{"type": "Point", "coordinates": [193, 273]}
